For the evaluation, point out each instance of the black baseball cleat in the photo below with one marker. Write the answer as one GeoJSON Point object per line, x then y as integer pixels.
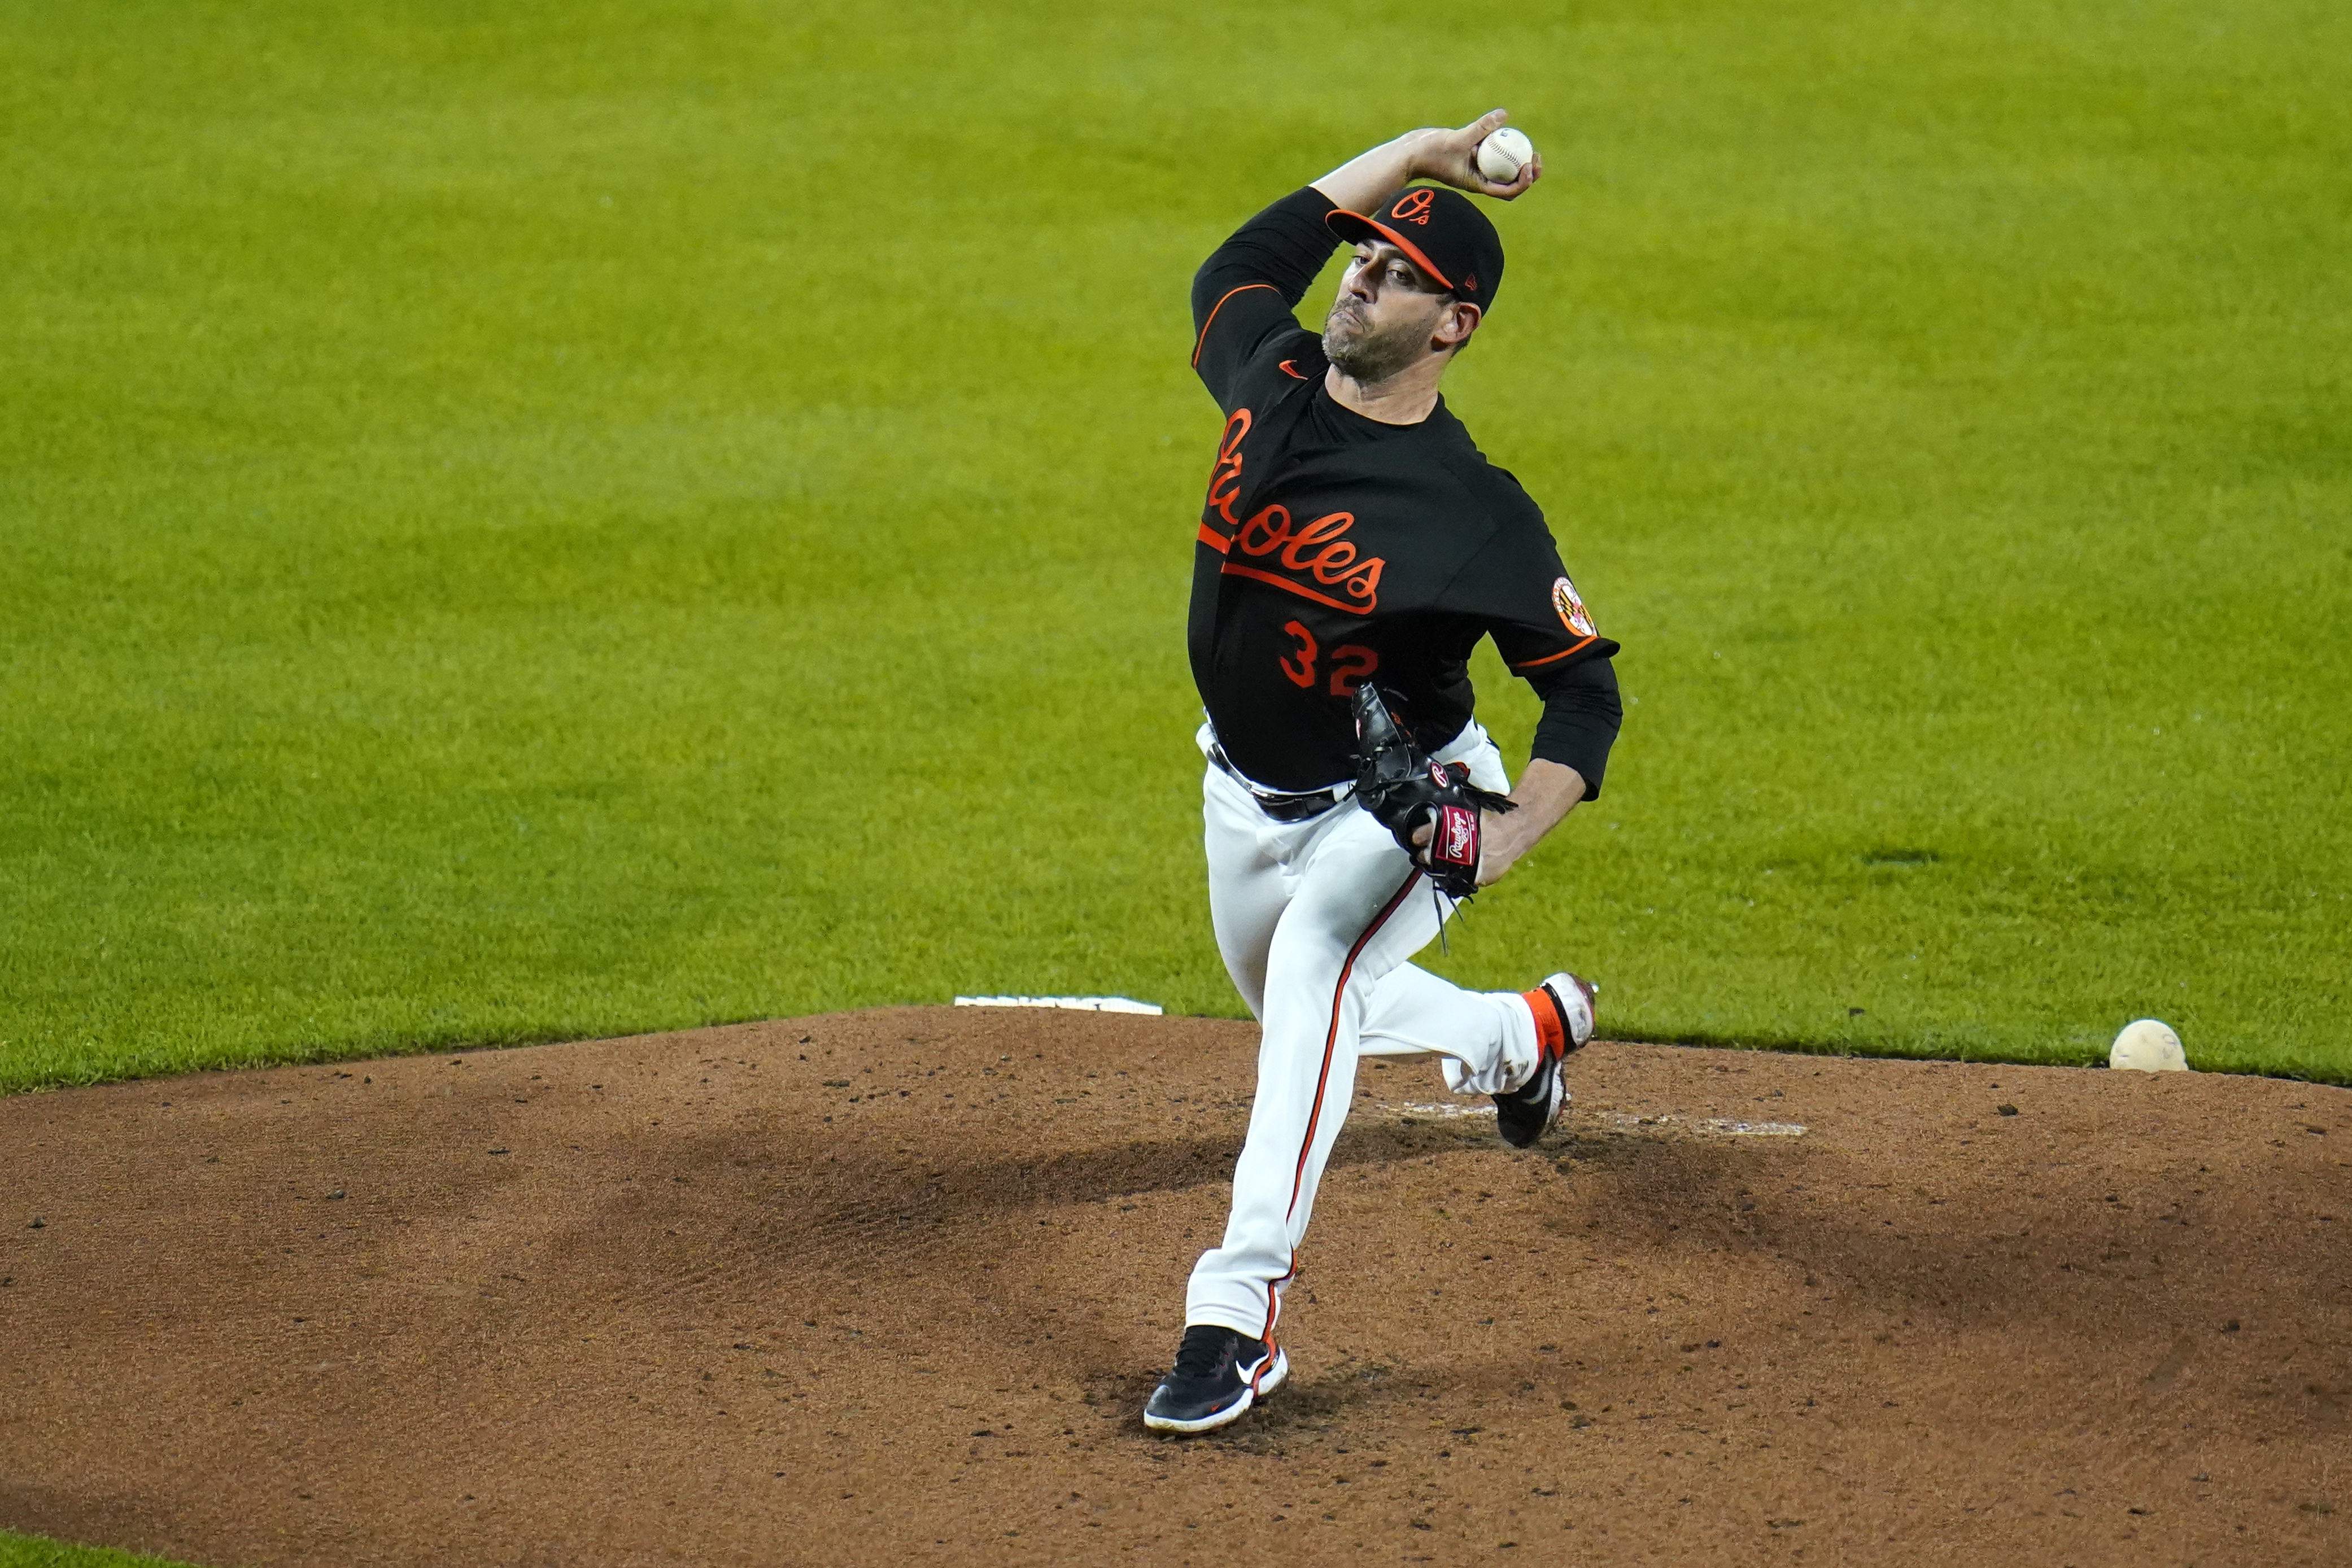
{"type": "Point", "coordinates": [1218, 1374]}
{"type": "Point", "coordinates": [1563, 1009]}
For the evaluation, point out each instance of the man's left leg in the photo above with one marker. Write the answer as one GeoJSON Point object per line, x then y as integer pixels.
{"type": "Point", "coordinates": [1359, 909]}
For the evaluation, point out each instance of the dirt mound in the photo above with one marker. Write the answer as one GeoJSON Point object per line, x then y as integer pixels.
{"type": "Point", "coordinates": [891, 1286]}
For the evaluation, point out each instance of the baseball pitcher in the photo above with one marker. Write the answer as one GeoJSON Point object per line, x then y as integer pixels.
{"type": "Point", "coordinates": [1354, 546]}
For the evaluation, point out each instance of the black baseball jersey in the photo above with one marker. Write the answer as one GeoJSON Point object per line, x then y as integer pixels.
{"type": "Point", "coordinates": [1335, 550]}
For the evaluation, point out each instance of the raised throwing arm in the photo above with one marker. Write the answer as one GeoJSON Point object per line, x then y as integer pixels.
{"type": "Point", "coordinates": [1430, 153]}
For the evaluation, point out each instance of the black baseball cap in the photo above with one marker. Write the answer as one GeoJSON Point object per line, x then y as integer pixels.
{"type": "Point", "coordinates": [1443, 231]}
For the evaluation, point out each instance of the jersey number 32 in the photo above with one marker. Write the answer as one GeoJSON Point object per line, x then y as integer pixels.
{"type": "Point", "coordinates": [1349, 663]}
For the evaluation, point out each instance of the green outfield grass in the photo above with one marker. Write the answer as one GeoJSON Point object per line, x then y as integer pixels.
{"type": "Point", "coordinates": [542, 522]}
{"type": "Point", "coordinates": [33, 1552]}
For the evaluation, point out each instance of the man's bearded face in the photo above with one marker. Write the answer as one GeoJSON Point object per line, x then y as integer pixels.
{"type": "Point", "coordinates": [1384, 315]}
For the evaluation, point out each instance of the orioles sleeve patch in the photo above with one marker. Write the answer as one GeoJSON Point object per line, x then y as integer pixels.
{"type": "Point", "coordinates": [1572, 612]}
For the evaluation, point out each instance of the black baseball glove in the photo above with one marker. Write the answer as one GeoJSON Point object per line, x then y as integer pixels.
{"type": "Point", "coordinates": [1404, 790]}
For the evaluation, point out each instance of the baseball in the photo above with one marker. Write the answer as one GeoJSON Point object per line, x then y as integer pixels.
{"type": "Point", "coordinates": [2149, 1046]}
{"type": "Point", "coordinates": [1503, 153]}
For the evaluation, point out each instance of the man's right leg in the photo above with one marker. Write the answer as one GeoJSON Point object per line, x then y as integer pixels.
{"type": "Point", "coordinates": [1489, 1039]}
{"type": "Point", "coordinates": [1510, 1045]}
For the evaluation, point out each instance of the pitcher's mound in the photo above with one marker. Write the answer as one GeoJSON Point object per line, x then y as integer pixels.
{"type": "Point", "coordinates": [892, 1287]}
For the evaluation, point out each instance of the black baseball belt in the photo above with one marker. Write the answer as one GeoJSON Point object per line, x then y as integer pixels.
{"type": "Point", "coordinates": [1282, 808]}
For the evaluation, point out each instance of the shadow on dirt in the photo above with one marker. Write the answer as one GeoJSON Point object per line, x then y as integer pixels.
{"type": "Point", "coordinates": [802, 1192]}
{"type": "Point", "coordinates": [718, 1214]}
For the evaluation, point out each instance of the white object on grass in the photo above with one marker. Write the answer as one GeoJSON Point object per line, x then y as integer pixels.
{"type": "Point", "coordinates": [1503, 153]}
{"type": "Point", "coordinates": [1076, 1004]}
{"type": "Point", "coordinates": [2148, 1045]}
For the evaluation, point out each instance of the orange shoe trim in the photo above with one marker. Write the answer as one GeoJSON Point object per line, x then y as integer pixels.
{"type": "Point", "coordinates": [1551, 1024]}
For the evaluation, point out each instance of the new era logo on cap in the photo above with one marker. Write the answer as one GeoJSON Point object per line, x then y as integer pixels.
{"type": "Point", "coordinates": [1443, 234]}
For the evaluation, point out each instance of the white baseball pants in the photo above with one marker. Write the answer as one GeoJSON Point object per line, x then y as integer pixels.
{"type": "Point", "coordinates": [1316, 921]}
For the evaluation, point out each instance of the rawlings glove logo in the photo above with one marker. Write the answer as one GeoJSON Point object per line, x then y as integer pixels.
{"type": "Point", "coordinates": [1456, 841]}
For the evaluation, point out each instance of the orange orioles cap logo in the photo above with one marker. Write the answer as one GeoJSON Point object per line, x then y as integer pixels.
{"type": "Point", "coordinates": [1572, 612]}
{"type": "Point", "coordinates": [1413, 206]}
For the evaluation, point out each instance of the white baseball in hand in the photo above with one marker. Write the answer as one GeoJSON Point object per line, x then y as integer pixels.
{"type": "Point", "coordinates": [1503, 153]}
